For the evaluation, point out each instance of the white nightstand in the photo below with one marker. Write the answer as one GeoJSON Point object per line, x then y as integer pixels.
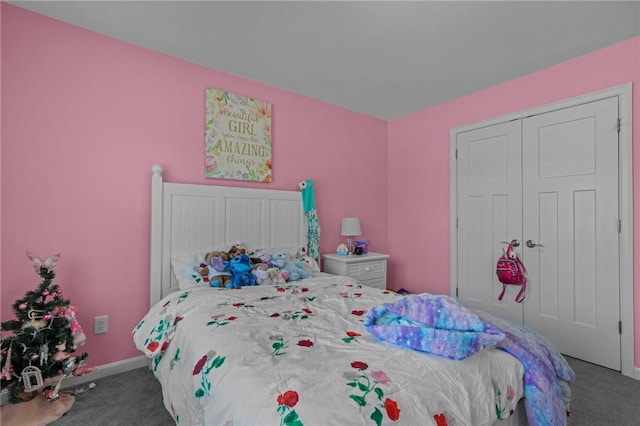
{"type": "Point", "coordinates": [369, 269]}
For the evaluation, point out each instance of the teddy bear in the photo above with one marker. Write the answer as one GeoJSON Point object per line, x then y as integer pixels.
{"type": "Point", "coordinates": [236, 249]}
{"type": "Point", "coordinates": [278, 259]}
{"type": "Point", "coordinates": [264, 257]}
{"type": "Point", "coordinates": [241, 248]}
{"type": "Point", "coordinates": [295, 271]}
{"type": "Point", "coordinates": [217, 261]}
{"type": "Point", "coordinates": [241, 272]}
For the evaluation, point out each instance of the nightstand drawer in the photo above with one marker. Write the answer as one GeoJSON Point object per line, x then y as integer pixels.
{"type": "Point", "coordinates": [375, 282]}
{"type": "Point", "coordinates": [367, 270]}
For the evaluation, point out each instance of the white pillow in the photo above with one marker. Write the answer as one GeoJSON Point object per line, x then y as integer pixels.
{"type": "Point", "coordinates": [187, 272]}
{"type": "Point", "coordinates": [309, 265]}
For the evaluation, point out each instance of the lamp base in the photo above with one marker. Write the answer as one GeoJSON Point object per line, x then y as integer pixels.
{"type": "Point", "coordinates": [350, 245]}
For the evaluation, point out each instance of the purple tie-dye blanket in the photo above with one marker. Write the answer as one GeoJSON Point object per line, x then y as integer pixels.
{"type": "Point", "coordinates": [433, 324]}
{"type": "Point", "coordinates": [439, 325]}
{"type": "Point", "coordinates": [546, 373]}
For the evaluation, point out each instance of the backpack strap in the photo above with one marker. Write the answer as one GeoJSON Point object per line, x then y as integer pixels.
{"type": "Point", "coordinates": [521, 294]}
{"type": "Point", "coordinates": [504, 288]}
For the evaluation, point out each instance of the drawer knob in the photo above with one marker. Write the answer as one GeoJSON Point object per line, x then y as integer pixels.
{"type": "Point", "coordinates": [367, 268]}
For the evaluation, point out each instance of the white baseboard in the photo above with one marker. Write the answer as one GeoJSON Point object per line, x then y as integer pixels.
{"type": "Point", "coordinates": [102, 371]}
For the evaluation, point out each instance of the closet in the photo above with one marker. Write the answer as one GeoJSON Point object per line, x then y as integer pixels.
{"type": "Point", "coordinates": [548, 182]}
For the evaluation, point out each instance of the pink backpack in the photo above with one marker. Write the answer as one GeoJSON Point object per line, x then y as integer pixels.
{"type": "Point", "coordinates": [510, 271]}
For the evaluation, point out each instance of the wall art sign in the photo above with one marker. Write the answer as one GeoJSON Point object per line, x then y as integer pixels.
{"type": "Point", "coordinates": [237, 137]}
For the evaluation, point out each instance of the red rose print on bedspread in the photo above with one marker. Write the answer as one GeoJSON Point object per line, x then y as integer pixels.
{"type": "Point", "coordinates": [352, 336]}
{"type": "Point", "coordinates": [368, 385]}
{"type": "Point", "coordinates": [286, 402]}
{"type": "Point", "coordinates": [392, 409]}
{"type": "Point", "coordinates": [203, 367]}
{"type": "Point", "coordinates": [441, 419]}
{"type": "Point", "coordinates": [289, 398]}
{"type": "Point", "coordinates": [305, 342]}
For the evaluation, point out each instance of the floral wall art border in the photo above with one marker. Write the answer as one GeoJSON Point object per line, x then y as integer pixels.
{"type": "Point", "coordinates": [237, 137]}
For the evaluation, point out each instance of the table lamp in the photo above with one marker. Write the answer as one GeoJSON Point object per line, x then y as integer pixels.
{"type": "Point", "coordinates": [350, 229]}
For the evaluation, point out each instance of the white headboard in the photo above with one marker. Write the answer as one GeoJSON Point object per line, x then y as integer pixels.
{"type": "Point", "coordinates": [189, 218]}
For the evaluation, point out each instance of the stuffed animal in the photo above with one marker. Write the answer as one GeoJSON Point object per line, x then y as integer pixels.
{"type": "Point", "coordinates": [241, 272]}
{"type": "Point", "coordinates": [265, 258]}
{"type": "Point", "coordinates": [260, 272]}
{"type": "Point", "coordinates": [241, 248]}
{"type": "Point", "coordinates": [236, 249]}
{"type": "Point", "coordinates": [278, 259]}
{"type": "Point", "coordinates": [219, 262]}
{"type": "Point", "coordinates": [295, 271]}
{"type": "Point", "coordinates": [277, 276]}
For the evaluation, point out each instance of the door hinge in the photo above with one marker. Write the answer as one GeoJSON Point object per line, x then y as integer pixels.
{"type": "Point", "coordinates": [456, 291]}
{"type": "Point", "coordinates": [619, 327]}
{"type": "Point", "coordinates": [618, 124]}
{"type": "Point", "coordinates": [456, 223]}
{"type": "Point", "coordinates": [457, 152]}
{"type": "Point", "coordinates": [619, 226]}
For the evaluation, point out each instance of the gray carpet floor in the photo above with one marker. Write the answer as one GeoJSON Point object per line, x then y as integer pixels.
{"type": "Point", "coordinates": [600, 397]}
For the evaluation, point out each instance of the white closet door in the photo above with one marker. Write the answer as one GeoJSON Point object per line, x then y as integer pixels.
{"type": "Point", "coordinates": [570, 206]}
{"type": "Point", "coordinates": [489, 177]}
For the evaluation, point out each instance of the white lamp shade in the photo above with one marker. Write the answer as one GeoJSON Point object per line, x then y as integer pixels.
{"type": "Point", "coordinates": [350, 227]}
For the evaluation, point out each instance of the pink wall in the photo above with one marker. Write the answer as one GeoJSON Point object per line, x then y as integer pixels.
{"type": "Point", "coordinates": [418, 160]}
{"type": "Point", "coordinates": [86, 116]}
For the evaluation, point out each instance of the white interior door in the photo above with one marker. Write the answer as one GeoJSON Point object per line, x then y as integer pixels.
{"type": "Point", "coordinates": [489, 211]}
{"type": "Point", "coordinates": [570, 207]}
{"type": "Point", "coordinates": [550, 179]}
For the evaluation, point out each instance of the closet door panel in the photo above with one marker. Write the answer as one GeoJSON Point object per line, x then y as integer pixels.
{"type": "Point", "coordinates": [489, 204]}
{"type": "Point", "coordinates": [570, 207]}
{"type": "Point", "coordinates": [549, 279]}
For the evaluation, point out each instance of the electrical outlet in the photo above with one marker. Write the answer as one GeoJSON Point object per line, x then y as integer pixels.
{"type": "Point", "coordinates": [100, 324]}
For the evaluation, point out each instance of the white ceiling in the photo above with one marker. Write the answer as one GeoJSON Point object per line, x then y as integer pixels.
{"type": "Point", "coordinates": [385, 59]}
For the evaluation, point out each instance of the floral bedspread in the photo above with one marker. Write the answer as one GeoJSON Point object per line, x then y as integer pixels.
{"type": "Point", "coordinates": [299, 355]}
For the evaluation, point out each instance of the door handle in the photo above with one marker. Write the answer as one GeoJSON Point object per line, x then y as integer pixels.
{"type": "Point", "coordinates": [532, 244]}
{"type": "Point", "coordinates": [514, 242]}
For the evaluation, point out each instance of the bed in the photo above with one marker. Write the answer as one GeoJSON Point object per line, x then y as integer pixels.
{"type": "Point", "coordinates": [320, 350]}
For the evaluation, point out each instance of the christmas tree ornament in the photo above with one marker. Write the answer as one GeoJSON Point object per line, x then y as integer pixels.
{"type": "Point", "coordinates": [44, 354]}
{"type": "Point", "coordinates": [49, 263]}
{"type": "Point", "coordinates": [32, 378]}
{"type": "Point", "coordinates": [52, 393]}
{"type": "Point", "coordinates": [7, 370]}
{"type": "Point", "coordinates": [61, 355]}
{"type": "Point", "coordinates": [81, 369]}
{"type": "Point", "coordinates": [67, 366]}
{"type": "Point", "coordinates": [35, 320]}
